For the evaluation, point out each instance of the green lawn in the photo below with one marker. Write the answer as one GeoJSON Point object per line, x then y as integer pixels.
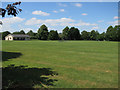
{"type": "Point", "coordinates": [78, 64]}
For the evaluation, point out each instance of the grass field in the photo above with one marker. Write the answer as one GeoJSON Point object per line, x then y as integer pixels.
{"type": "Point", "coordinates": [78, 64]}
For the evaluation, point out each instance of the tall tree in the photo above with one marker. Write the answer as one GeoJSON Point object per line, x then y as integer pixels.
{"type": "Point", "coordinates": [109, 33]}
{"type": "Point", "coordinates": [42, 32]}
{"type": "Point", "coordinates": [53, 35]}
{"type": "Point", "coordinates": [65, 33]}
{"type": "Point", "coordinates": [22, 32]}
{"type": "Point", "coordinates": [30, 33]}
{"type": "Point", "coordinates": [85, 35]}
{"type": "Point", "coordinates": [118, 32]}
{"type": "Point", "coordinates": [4, 34]}
{"type": "Point", "coordinates": [93, 35]}
{"type": "Point", "coordinates": [74, 33]}
{"type": "Point", "coordinates": [101, 36]}
{"type": "Point", "coordinates": [60, 36]}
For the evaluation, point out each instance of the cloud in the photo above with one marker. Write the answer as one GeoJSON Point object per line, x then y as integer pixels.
{"type": "Point", "coordinates": [116, 17]}
{"type": "Point", "coordinates": [12, 20]}
{"type": "Point", "coordinates": [84, 14]}
{"type": "Point", "coordinates": [62, 10]}
{"type": "Point", "coordinates": [53, 22]}
{"type": "Point", "coordinates": [55, 11]}
{"type": "Point", "coordinates": [101, 21]}
{"type": "Point", "coordinates": [78, 5]}
{"type": "Point", "coordinates": [40, 13]}
{"type": "Point", "coordinates": [58, 22]}
{"type": "Point", "coordinates": [80, 23]}
{"type": "Point", "coordinates": [117, 22]}
{"type": "Point", "coordinates": [61, 4]}
{"type": "Point", "coordinates": [8, 23]}
{"type": "Point", "coordinates": [95, 28]}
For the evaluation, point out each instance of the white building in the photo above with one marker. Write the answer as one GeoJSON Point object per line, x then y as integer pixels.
{"type": "Point", "coordinates": [17, 37]}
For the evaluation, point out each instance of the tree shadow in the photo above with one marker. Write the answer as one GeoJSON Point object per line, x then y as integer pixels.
{"type": "Point", "coordinates": [24, 77]}
{"type": "Point", "coordinates": [9, 55]}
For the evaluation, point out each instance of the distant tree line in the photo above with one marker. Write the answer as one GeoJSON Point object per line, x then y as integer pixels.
{"type": "Point", "coordinates": [111, 34]}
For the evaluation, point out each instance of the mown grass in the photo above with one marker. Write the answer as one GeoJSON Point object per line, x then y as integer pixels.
{"type": "Point", "coordinates": [79, 64]}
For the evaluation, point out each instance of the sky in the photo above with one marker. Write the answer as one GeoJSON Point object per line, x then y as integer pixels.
{"type": "Point", "coordinates": [61, 0]}
{"type": "Point", "coordinates": [57, 15]}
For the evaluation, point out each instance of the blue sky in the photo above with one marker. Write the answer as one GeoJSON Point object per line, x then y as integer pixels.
{"type": "Point", "coordinates": [56, 15]}
{"type": "Point", "coordinates": [61, 0]}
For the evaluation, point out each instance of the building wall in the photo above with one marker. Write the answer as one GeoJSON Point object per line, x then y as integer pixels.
{"type": "Point", "coordinates": [9, 38]}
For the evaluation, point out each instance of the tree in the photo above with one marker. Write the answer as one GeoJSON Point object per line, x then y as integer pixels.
{"type": "Point", "coordinates": [118, 32]}
{"type": "Point", "coordinates": [32, 34]}
{"type": "Point", "coordinates": [60, 36]}
{"type": "Point", "coordinates": [22, 32]}
{"type": "Point", "coordinates": [101, 36]}
{"type": "Point", "coordinates": [16, 32]}
{"type": "Point", "coordinates": [74, 33]}
{"type": "Point", "coordinates": [4, 34]}
{"type": "Point", "coordinates": [53, 35]}
{"type": "Point", "coordinates": [65, 33]}
{"type": "Point", "coordinates": [109, 33]}
{"type": "Point", "coordinates": [71, 34]}
{"type": "Point", "coordinates": [19, 32]}
{"type": "Point", "coordinates": [11, 9]}
{"type": "Point", "coordinates": [112, 34]}
{"type": "Point", "coordinates": [85, 35]}
{"type": "Point", "coordinates": [93, 35]}
{"type": "Point", "coordinates": [42, 33]}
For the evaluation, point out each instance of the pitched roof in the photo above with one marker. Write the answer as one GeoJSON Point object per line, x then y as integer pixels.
{"type": "Point", "coordinates": [19, 35]}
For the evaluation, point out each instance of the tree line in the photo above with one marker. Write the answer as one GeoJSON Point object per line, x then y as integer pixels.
{"type": "Point", "coordinates": [111, 34]}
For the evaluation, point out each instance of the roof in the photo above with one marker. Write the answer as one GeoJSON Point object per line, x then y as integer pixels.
{"type": "Point", "coordinates": [19, 35]}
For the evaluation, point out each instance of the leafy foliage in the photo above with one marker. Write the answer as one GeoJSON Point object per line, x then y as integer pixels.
{"type": "Point", "coordinates": [66, 33]}
{"type": "Point", "coordinates": [42, 33]}
{"type": "Point", "coordinates": [101, 36]}
{"type": "Point", "coordinates": [74, 33]}
{"type": "Point", "coordinates": [32, 34]}
{"type": "Point", "coordinates": [4, 34]}
{"type": "Point", "coordinates": [85, 35]}
{"type": "Point", "coordinates": [11, 9]}
{"type": "Point", "coordinates": [21, 32]}
{"type": "Point", "coordinates": [53, 35]}
{"type": "Point", "coordinates": [109, 33]}
{"type": "Point", "coordinates": [93, 35]}
{"type": "Point", "coordinates": [71, 34]}
{"type": "Point", "coordinates": [112, 34]}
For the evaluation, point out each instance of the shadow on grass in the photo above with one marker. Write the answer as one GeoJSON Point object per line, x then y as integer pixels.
{"type": "Point", "coordinates": [9, 55]}
{"type": "Point", "coordinates": [24, 77]}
